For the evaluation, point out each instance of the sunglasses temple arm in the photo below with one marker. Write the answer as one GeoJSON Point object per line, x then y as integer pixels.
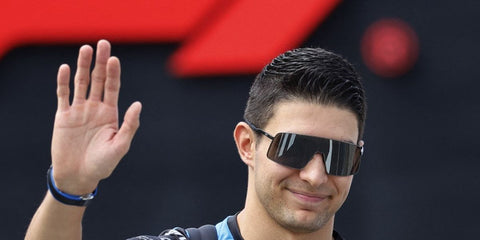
{"type": "Point", "coordinates": [258, 130]}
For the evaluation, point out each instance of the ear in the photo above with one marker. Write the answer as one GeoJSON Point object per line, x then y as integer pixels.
{"type": "Point", "coordinates": [245, 141]}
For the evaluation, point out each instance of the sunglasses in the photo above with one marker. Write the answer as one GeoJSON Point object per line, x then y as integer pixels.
{"type": "Point", "coordinates": [295, 151]}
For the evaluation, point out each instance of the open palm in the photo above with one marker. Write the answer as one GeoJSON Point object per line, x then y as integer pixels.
{"type": "Point", "coordinates": [87, 142]}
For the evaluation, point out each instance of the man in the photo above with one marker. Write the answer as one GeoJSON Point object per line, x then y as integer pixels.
{"type": "Point", "coordinates": [301, 142]}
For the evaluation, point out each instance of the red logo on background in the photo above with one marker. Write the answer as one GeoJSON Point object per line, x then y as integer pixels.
{"type": "Point", "coordinates": [217, 37]}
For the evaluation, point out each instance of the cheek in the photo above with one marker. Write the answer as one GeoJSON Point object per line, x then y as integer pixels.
{"type": "Point", "coordinates": [268, 172]}
{"type": "Point", "coordinates": [269, 182]}
{"type": "Point", "coordinates": [343, 184]}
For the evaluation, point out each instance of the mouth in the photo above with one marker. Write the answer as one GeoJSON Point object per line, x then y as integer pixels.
{"type": "Point", "coordinates": [309, 197]}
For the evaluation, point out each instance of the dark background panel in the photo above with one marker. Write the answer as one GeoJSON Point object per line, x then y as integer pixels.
{"type": "Point", "coordinates": [418, 180]}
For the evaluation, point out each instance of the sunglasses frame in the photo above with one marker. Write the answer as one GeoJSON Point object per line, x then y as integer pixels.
{"type": "Point", "coordinates": [354, 169]}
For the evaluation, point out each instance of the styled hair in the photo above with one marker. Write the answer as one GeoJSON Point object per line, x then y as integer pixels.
{"type": "Point", "coordinates": [311, 74]}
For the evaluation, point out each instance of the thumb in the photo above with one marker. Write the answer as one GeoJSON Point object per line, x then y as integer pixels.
{"type": "Point", "coordinates": [130, 124]}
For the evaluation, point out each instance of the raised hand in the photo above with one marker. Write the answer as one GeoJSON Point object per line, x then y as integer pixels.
{"type": "Point", "coordinates": [87, 142]}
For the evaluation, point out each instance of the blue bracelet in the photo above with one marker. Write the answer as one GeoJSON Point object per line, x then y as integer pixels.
{"type": "Point", "coordinates": [66, 198]}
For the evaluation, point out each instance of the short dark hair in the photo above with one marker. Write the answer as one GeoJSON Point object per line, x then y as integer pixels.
{"type": "Point", "coordinates": [310, 74]}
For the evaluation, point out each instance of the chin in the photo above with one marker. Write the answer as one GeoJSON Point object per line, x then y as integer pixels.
{"type": "Point", "coordinates": [304, 221]}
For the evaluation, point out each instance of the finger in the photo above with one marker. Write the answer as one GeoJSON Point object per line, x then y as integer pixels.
{"type": "Point", "coordinates": [82, 76]}
{"type": "Point", "coordinates": [63, 90]}
{"type": "Point", "coordinates": [112, 82]}
{"type": "Point", "coordinates": [100, 70]}
{"type": "Point", "coordinates": [129, 127]}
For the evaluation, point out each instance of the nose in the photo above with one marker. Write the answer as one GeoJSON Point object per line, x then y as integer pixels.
{"type": "Point", "coordinates": [314, 172]}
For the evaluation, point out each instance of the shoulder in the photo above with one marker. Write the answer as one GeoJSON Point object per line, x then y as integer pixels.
{"type": "Point", "coordinates": [221, 231]}
{"type": "Point", "coordinates": [170, 234]}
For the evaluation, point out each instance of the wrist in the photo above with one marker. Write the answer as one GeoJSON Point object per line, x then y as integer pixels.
{"type": "Point", "coordinates": [66, 198]}
{"type": "Point", "coordinates": [73, 183]}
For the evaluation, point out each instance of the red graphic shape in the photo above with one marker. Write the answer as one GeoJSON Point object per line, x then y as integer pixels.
{"type": "Point", "coordinates": [248, 35]}
{"type": "Point", "coordinates": [221, 36]}
{"type": "Point", "coordinates": [75, 21]}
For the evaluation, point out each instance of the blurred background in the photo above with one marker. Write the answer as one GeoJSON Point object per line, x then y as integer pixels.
{"type": "Point", "coordinates": [418, 179]}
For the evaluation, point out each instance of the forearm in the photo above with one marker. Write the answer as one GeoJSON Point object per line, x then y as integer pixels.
{"type": "Point", "coordinates": [55, 220]}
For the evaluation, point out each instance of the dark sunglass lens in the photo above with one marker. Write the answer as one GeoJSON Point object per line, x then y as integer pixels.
{"type": "Point", "coordinates": [290, 150]}
{"type": "Point", "coordinates": [295, 151]}
{"type": "Point", "coordinates": [345, 159]}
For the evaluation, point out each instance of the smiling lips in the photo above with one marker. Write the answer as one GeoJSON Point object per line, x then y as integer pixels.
{"type": "Point", "coordinates": [309, 196]}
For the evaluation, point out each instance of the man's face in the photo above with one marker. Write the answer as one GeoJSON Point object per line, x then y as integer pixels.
{"type": "Point", "coordinates": [303, 200]}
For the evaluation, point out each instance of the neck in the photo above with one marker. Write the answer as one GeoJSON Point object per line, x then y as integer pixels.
{"type": "Point", "coordinates": [256, 224]}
